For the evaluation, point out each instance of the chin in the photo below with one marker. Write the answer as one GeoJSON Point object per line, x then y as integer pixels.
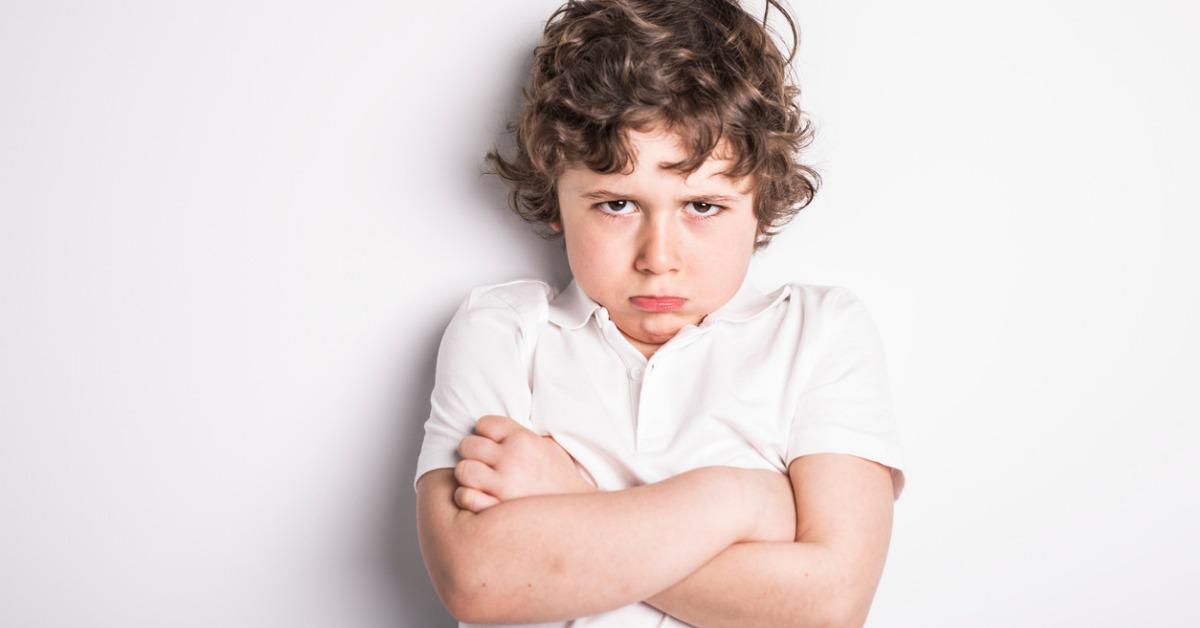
{"type": "Point", "coordinates": [663, 331]}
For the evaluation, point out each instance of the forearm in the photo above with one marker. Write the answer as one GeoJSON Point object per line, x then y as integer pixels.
{"type": "Point", "coordinates": [556, 557]}
{"type": "Point", "coordinates": [757, 584]}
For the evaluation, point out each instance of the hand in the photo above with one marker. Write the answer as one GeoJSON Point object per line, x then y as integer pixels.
{"type": "Point", "coordinates": [503, 460]}
{"type": "Point", "coordinates": [773, 504]}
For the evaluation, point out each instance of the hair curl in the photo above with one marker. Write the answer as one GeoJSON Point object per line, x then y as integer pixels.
{"type": "Point", "coordinates": [704, 68]}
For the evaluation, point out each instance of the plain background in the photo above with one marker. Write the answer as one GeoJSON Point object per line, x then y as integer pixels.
{"type": "Point", "coordinates": [231, 234]}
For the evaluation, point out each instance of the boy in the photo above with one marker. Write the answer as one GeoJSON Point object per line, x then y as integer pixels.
{"type": "Point", "coordinates": [658, 442]}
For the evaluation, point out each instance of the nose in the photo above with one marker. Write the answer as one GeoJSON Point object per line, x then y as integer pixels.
{"type": "Point", "coordinates": [658, 247]}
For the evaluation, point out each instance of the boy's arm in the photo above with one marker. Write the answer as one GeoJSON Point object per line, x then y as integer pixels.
{"type": "Point", "coordinates": [755, 584]}
{"type": "Point", "coordinates": [548, 558]}
{"type": "Point", "coordinates": [827, 577]}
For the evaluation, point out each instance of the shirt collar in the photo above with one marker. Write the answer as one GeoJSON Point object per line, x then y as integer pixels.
{"type": "Point", "coordinates": [571, 308]}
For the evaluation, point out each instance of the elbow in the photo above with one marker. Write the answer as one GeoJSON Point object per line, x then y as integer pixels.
{"type": "Point", "coordinates": [838, 611]}
{"type": "Point", "coordinates": [477, 599]}
{"type": "Point", "coordinates": [464, 595]}
{"type": "Point", "coordinates": [476, 606]}
{"type": "Point", "coordinates": [846, 616]}
{"type": "Point", "coordinates": [463, 608]}
{"type": "Point", "coordinates": [828, 616]}
{"type": "Point", "coordinates": [468, 597]}
{"type": "Point", "coordinates": [456, 576]}
{"type": "Point", "coordinates": [451, 594]}
{"type": "Point", "coordinates": [457, 601]}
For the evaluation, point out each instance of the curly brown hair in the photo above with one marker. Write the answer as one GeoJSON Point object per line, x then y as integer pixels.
{"type": "Point", "coordinates": [705, 69]}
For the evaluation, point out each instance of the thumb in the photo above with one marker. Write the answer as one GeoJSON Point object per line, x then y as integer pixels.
{"type": "Point", "coordinates": [496, 427]}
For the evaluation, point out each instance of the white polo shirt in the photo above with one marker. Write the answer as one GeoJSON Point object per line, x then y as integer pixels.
{"type": "Point", "coordinates": [760, 381]}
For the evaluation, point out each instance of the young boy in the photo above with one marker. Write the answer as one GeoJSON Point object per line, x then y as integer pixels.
{"type": "Point", "coordinates": [658, 442]}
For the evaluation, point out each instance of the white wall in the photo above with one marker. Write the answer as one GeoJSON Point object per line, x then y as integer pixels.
{"type": "Point", "coordinates": [231, 234]}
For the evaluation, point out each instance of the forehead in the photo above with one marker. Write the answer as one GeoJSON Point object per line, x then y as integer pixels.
{"type": "Point", "coordinates": [652, 150]}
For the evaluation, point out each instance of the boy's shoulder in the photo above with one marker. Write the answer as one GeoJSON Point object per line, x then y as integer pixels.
{"type": "Point", "coordinates": [803, 294]}
{"type": "Point", "coordinates": [835, 307]}
{"type": "Point", "coordinates": [826, 301]}
{"type": "Point", "coordinates": [528, 297]}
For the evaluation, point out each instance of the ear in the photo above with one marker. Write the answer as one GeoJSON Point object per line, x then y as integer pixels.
{"type": "Point", "coordinates": [555, 226]}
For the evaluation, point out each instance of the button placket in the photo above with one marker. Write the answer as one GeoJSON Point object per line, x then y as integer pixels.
{"type": "Point", "coordinates": [650, 429]}
{"type": "Point", "coordinates": [653, 433]}
{"type": "Point", "coordinates": [635, 369]}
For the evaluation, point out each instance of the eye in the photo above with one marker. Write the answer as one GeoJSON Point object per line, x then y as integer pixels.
{"type": "Point", "coordinates": [708, 210]}
{"type": "Point", "coordinates": [618, 205]}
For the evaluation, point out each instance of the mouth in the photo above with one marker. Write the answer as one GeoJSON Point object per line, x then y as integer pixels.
{"type": "Point", "coordinates": [657, 303]}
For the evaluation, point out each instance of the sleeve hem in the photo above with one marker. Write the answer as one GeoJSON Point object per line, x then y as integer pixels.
{"type": "Point", "coordinates": [424, 467]}
{"type": "Point", "coordinates": [834, 439]}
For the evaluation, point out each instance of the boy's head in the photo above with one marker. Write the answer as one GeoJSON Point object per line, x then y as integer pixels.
{"type": "Point", "coordinates": [701, 89]}
{"type": "Point", "coordinates": [704, 68]}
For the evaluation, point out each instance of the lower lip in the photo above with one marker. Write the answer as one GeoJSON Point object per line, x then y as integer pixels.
{"type": "Point", "coordinates": [657, 305]}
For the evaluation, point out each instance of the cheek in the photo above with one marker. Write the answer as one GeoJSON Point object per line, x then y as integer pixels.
{"type": "Point", "coordinates": [734, 239]}
{"type": "Point", "coordinates": [593, 252]}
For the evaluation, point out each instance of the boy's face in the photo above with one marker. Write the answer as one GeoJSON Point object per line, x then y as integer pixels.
{"type": "Point", "coordinates": [655, 233]}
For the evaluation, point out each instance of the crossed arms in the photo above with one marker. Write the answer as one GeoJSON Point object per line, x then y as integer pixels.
{"type": "Point", "coordinates": [716, 546]}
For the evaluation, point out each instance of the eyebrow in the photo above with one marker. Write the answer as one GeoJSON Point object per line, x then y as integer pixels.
{"type": "Point", "coordinates": [703, 198]}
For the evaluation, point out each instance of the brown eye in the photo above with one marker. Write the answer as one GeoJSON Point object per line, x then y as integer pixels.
{"type": "Point", "coordinates": [608, 207]}
{"type": "Point", "coordinates": [707, 210]}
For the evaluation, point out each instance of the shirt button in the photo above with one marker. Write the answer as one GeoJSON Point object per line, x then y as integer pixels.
{"type": "Point", "coordinates": [636, 373]}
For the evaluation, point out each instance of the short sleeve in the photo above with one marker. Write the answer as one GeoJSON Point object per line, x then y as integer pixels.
{"type": "Point", "coordinates": [846, 406]}
{"type": "Point", "coordinates": [480, 370]}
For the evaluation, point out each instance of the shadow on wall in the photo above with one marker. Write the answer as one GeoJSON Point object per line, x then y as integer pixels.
{"type": "Point", "coordinates": [392, 550]}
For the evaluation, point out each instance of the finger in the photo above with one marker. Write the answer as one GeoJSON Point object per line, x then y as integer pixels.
{"type": "Point", "coordinates": [550, 439]}
{"type": "Point", "coordinates": [496, 427]}
{"type": "Point", "coordinates": [583, 472]}
{"type": "Point", "coordinates": [477, 475]}
{"type": "Point", "coordinates": [470, 499]}
{"type": "Point", "coordinates": [480, 448]}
